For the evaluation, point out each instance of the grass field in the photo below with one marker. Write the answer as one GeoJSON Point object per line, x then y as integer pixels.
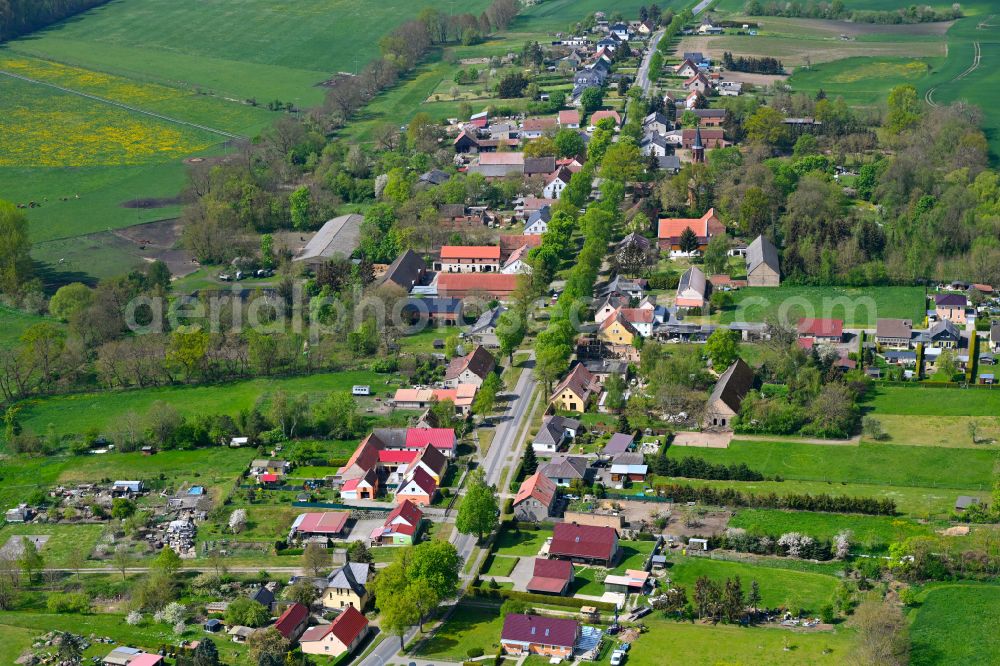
{"type": "Point", "coordinates": [723, 644]}
{"type": "Point", "coordinates": [76, 413]}
{"type": "Point", "coordinates": [944, 431]}
{"type": "Point", "coordinates": [858, 307]}
{"type": "Point", "coordinates": [914, 502]}
{"type": "Point", "coordinates": [957, 624]}
{"type": "Point", "coordinates": [877, 464]}
{"type": "Point", "coordinates": [13, 323]}
{"type": "Point", "coordinates": [13, 641]}
{"type": "Point", "coordinates": [778, 587]}
{"type": "Point", "coordinates": [63, 540]}
{"type": "Point", "coordinates": [198, 467]}
{"type": "Point", "coordinates": [469, 626]}
{"type": "Point", "coordinates": [870, 533]}
{"type": "Point", "coordinates": [938, 401]}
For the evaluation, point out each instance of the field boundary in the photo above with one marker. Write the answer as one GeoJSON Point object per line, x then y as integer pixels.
{"type": "Point", "coordinates": [126, 107]}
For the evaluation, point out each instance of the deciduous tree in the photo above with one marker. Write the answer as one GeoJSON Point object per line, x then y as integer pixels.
{"type": "Point", "coordinates": [477, 514]}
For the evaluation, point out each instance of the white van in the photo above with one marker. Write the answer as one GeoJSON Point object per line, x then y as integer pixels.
{"type": "Point", "coordinates": [361, 389]}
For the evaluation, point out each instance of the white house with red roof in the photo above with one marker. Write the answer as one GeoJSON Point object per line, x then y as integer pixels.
{"type": "Point", "coordinates": [556, 183]}
{"type": "Point", "coordinates": [442, 439]}
{"type": "Point", "coordinates": [822, 330]}
{"type": "Point", "coordinates": [706, 227]}
{"type": "Point", "coordinates": [469, 259]}
{"type": "Point", "coordinates": [420, 488]}
{"type": "Point", "coordinates": [342, 635]}
{"type": "Point", "coordinates": [517, 262]}
{"type": "Point", "coordinates": [569, 119]}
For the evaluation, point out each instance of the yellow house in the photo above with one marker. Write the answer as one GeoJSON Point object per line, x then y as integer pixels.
{"type": "Point", "coordinates": [574, 391]}
{"type": "Point", "coordinates": [346, 587]}
{"type": "Point", "coordinates": [617, 330]}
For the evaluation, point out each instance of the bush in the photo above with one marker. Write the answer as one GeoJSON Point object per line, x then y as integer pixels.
{"type": "Point", "coordinates": [474, 652]}
{"type": "Point", "coordinates": [508, 505]}
{"type": "Point", "coordinates": [826, 614]}
{"type": "Point", "coordinates": [68, 602]}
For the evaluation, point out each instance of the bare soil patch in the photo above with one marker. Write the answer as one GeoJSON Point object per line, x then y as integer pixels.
{"type": "Point", "coordinates": [161, 202]}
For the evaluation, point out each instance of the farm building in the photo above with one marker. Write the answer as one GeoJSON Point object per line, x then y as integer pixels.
{"type": "Point", "coordinates": [763, 269]}
{"type": "Point", "coordinates": [338, 237]}
{"type": "Point", "coordinates": [727, 396]}
{"type": "Point", "coordinates": [329, 524]}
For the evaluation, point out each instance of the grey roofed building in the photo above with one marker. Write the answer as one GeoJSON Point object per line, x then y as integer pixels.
{"type": "Point", "coordinates": [668, 163]}
{"type": "Point", "coordinates": [728, 394]}
{"type": "Point", "coordinates": [563, 470]}
{"type": "Point", "coordinates": [555, 429]}
{"type": "Point", "coordinates": [618, 444]}
{"type": "Point", "coordinates": [263, 596]}
{"type": "Point", "coordinates": [496, 170]}
{"type": "Point", "coordinates": [451, 211]}
{"type": "Point", "coordinates": [406, 271]}
{"type": "Point", "coordinates": [995, 335]}
{"type": "Point", "coordinates": [894, 331]}
{"type": "Point", "coordinates": [703, 114]}
{"type": "Point", "coordinates": [694, 56]}
{"type": "Point", "coordinates": [484, 331]}
{"type": "Point", "coordinates": [654, 144]}
{"type": "Point", "coordinates": [941, 333]}
{"type": "Point", "coordinates": [338, 236]}
{"type": "Point", "coordinates": [635, 239]}
{"type": "Point", "coordinates": [353, 576]}
{"type": "Point", "coordinates": [535, 165]}
{"type": "Point", "coordinates": [622, 285]}
{"type": "Point", "coordinates": [435, 177]}
{"type": "Point", "coordinates": [763, 269]}
{"type": "Point", "coordinates": [963, 502]}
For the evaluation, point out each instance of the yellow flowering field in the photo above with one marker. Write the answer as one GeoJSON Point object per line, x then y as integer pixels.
{"type": "Point", "coordinates": [40, 126]}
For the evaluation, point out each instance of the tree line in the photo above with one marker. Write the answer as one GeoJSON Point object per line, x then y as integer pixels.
{"type": "Point", "coordinates": [691, 467]}
{"type": "Point", "coordinates": [836, 10]}
{"type": "Point", "coordinates": [20, 17]}
{"type": "Point", "coordinates": [766, 65]}
{"type": "Point", "coordinates": [796, 501]}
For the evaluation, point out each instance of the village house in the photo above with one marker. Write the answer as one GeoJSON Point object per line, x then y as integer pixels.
{"type": "Point", "coordinates": [534, 634]}
{"type": "Point", "coordinates": [995, 336]}
{"type": "Point", "coordinates": [550, 577]}
{"type": "Point", "coordinates": [600, 115]}
{"type": "Point", "coordinates": [517, 262]}
{"type": "Point", "coordinates": [575, 390]}
{"type": "Point", "coordinates": [420, 488]}
{"type": "Point", "coordinates": [710, 138]}
{"type": "Point", "coordinates": [655, 145]}
{"type": "Point", "coordinates": [536, 127]}
{"type": "Point", "coordinates": [941, 335]}
{"type": "Point", "coordinates": [692, 289]}
{"type": "Point", "coordinates": [727, 397]}
{"type": "Point", "coordinates": [495, 166]}
{"type": "Point", "coordinates": [699, 82]}
{"type": "Point", "coordinates": [407, 271]}
{"type": "Point", "coordinates": [556, 183]}
{"type": "Point", "coordinates": [484, 331]}
{"type": "Point", "coordinates": [343, 635]}
{"type": "Point", "coordinates": [628, 466]}
{"type": "Point", "coordinates": [401, 526]}
{"type": "Point", "coordinates": [538, 221]}
{"type": "Point", "coordinates": [473, 368]}
{"type": "Point", "coordinates": [536, 499]}
{"type": "Point", "coordinates": [432, 310]}
{"type": "Point", "coordinates": [830, 331]}
{"type": "Point", "coordinates": [894, 333]}
{"type": "Point", "coordinates": [762, 264]}
{"type": "Point", "coordinates": [633, 581]}
{"type": "Point", "coordinates": [669, 231]}
{"type": "Point", "coordinates": [584, 543]}
{"type": "Point", "coordinates": [539, 166]}
{"type": "Point", "coordinates": [469, 259]}
{"type": "Point", "coordinates": [686, 69]}
{"type": "Point", "coordinates": [951, 307]}
{"type": "Point", "coordinates": [319, 526]}
{"type": "Point", "coordinates": [706, 117]}
{"type": "Point", "coordinates": [569, 119]}
{"type": "Point", "coordinates": [292, 623]}
{"type": "Point", "coordinates": [619, 443]}
{"type": "Point", "coordinates": [461, 396]}
{"type": "Point", "coordinates": [257, 468]}
{"type": "Point", "coordinates": [616, 331]}
{"type": "Point", "coordinates": [555, 431]}
{"type": "Point", "coordinates": [345, 587]}
{"type": "Point", "coordinates": [622, 287]}
{"type": "Point", "coordinates": [656, 123]}
{"type": "Point", "coordinates": [564, 470]}
{"type": "Point", "coordinates": [363, 487]}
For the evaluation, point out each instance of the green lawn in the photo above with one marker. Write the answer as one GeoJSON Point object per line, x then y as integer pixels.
{"type": "Point", "coordinates": [63, 540]}
{"type": "Point", "coordinates": [868, 532]}
{"type": "Point", "coordinates": [423, 342]}
{"type": "Point", "coordinates": [634, 555]}
{"type": "Point", "coordinates": [76, 413]}
{"type": "Point", "coordinates": [501, 565]}
{"type": "Point", "coordinates": [13, 323]}
{"type": "Point", "coordinates": [469, 626]}
{"type": "Point", "coordinates": [858, 307]}
{"type": "Point", "coordinates": [522, 543]}
{"type": "Point", "coordinates": [943, 431]}
{"type": "Point", "coordinates": [778, 587]}
{"type": "Point", "coordinates": [724, 644]}
{"type": "Point", "coordinates": [13, 641]}
{"type": "Point", "coordinates": [876, 464]}
{"type": "Point", "coordinates": [863, 80]}
{"type": "Point", "coordinates": [957, 624]}
{"type": "Point", "coordinates": [920, 401]}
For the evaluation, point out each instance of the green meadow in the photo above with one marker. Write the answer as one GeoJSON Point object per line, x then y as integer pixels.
{"type": "Point", "coordinates": [870, 533]}
{"type": "Point", "coordinates": [956, 624]}
{"type": "Point", "coordinates": [858, 307]}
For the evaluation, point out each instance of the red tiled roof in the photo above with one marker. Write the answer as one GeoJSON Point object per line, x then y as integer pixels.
{"type": "Point", "coordinates": [328, 522]}
{"type": "Point", "coordinates": [553, 568]}
{"type": "Point", "coordinates": [539, 123]}
{"type": "Point", "coordinates": [501, 158]}
{"type": "Point", "coordinates": [439, 438]}
{"type": "Point", "coordinates": [588, 541]}
{"type": "Point", "coordinates": [579, 380]}
{"type": "Point", "coordinates": [567, 117]}
{"type": "Point", "coordinates": [538, 486]}
{"type": "Point", "coordinates": [605, 113]}
{"type": "Point", "coordinates": [822, 328]}
{"type": "Point", "coordinates": [293, 616]}
{"type": "Point", "coordinates": [542, 584]}
{"type": "Point", "coordinates": [470, 252]}
{"type": "Point", "coordinates": [511, 242]}
{"type": "Point", "coordinates": [349, 625]}
{"type": "Point", "coordinates": [637, 315]}
{"type": "Point", "coordinates": [398, 457]}
{"type": "Point", "coordinates": [268, 478]}
{"type": "Point", "coordinates": [540, 630]}
{"type": "Point", "coordinates": [674, 227]}
{"type": "Point", "coordinates": [424, 481]}
{"type": "Point", "coordinates": [497, 284]}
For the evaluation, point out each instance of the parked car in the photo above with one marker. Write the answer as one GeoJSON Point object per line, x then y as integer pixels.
{"type": "Point", "coordinates": [617, 658]}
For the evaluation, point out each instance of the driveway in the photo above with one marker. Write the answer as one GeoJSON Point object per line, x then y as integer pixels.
{"type": "Point", "coordinates": [522, 574]}
{"type": "Point", "coordinates": [707, 440]}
